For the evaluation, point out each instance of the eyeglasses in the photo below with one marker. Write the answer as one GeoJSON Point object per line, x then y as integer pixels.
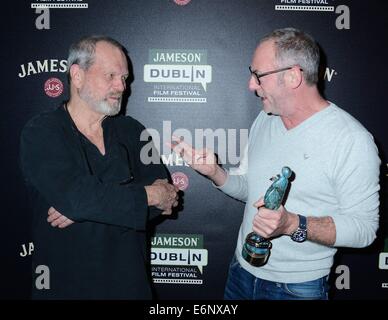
{"type": "Point", "coordinates": [259, 75]}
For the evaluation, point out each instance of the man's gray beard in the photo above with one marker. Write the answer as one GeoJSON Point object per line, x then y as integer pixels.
{"type": "Point", "coordinates": [101, 106]}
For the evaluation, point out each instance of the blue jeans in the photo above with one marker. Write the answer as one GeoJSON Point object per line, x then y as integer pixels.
{"type": "Point", "coordinates": [242, 285]}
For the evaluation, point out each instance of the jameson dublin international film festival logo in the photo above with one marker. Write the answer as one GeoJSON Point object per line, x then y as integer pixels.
{"type": "Point", "coordinates": [341, 12]}
{"type": "Point", "coordinates": [179, 76]}
{"type": "Point", "coordinates": [178, 258]}
{"type": "Point", "coordinates": [59, 4]}
{"type": "Point", "coordinates": [42, 10]}
{"type": "Point", "coordinates": [305, 5]}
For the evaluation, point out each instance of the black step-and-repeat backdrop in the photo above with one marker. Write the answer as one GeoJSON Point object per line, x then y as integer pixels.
{"type": "Point", "coordinates": [190, 73]}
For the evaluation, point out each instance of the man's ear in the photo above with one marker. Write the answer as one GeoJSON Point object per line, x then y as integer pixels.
{"type": "Point", "coordinates": [77, 75]}
{"type": "Point", "coordinates": [294, 77]}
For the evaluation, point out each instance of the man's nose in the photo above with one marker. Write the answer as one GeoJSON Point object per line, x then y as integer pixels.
{"type": "Point", "coordinates": [252, 84]}
{"type": "Point", "coordinates": [120, 85]}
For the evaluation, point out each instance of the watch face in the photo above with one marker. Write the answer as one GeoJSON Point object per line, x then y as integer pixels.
{"type": "Point", "coordinates": [299, 235]}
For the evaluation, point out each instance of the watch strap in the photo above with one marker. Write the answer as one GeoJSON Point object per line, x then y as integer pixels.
{"type": "Point", "coordinates": [302, 222]}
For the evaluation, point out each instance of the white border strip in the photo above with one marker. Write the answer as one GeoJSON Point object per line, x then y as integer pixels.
{"type": "Point", "coordinates": [180, 281]}
{"type": "Point", "coordinates": [59, 5]}
{"type": "Point", "coordinates": [171, 99]}
{"type": "Point", "coordinates": [304, 8]}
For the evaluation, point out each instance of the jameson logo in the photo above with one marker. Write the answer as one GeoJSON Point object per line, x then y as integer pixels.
{"type": "Point", "coordinates": [178, 75]}
{"type": "Point", "coordinates": [42, 66]}
{"type": "Point", "coordinates": [178, 57]}
{"type": "Point", "coordinates": [178, 258]}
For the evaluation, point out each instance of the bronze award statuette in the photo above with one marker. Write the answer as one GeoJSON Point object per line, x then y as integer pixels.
{"type": "Point", "coordinates": [256, 249]}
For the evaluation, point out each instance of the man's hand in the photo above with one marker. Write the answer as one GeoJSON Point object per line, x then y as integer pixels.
{"type": "Point", "coordinates": [271, 223]}
{"type": "Point", "coordinates": [57, 219]}
{"type": "Point", "coordinates": [162, 195]}
{"type": "Point", "coordinates": [202, 160]}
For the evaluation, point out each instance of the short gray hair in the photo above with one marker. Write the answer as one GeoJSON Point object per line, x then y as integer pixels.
{"type": "Point", "coordinates": [83, 51]}
{"type": "Point", "coordinates": [295, 47]}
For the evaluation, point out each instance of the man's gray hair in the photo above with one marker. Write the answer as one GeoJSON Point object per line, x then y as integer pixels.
{"type": "Point", "coordinates": [295, 47]}
{"type": "Point", "coordinates": [83, 51]}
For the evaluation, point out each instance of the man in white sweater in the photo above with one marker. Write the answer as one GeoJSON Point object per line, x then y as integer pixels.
{"type": "Point", "coordinates": [333, 199]}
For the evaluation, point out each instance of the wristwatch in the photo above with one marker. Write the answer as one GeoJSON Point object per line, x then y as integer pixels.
{"type": "Point", "coordinates": [300, 234]}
